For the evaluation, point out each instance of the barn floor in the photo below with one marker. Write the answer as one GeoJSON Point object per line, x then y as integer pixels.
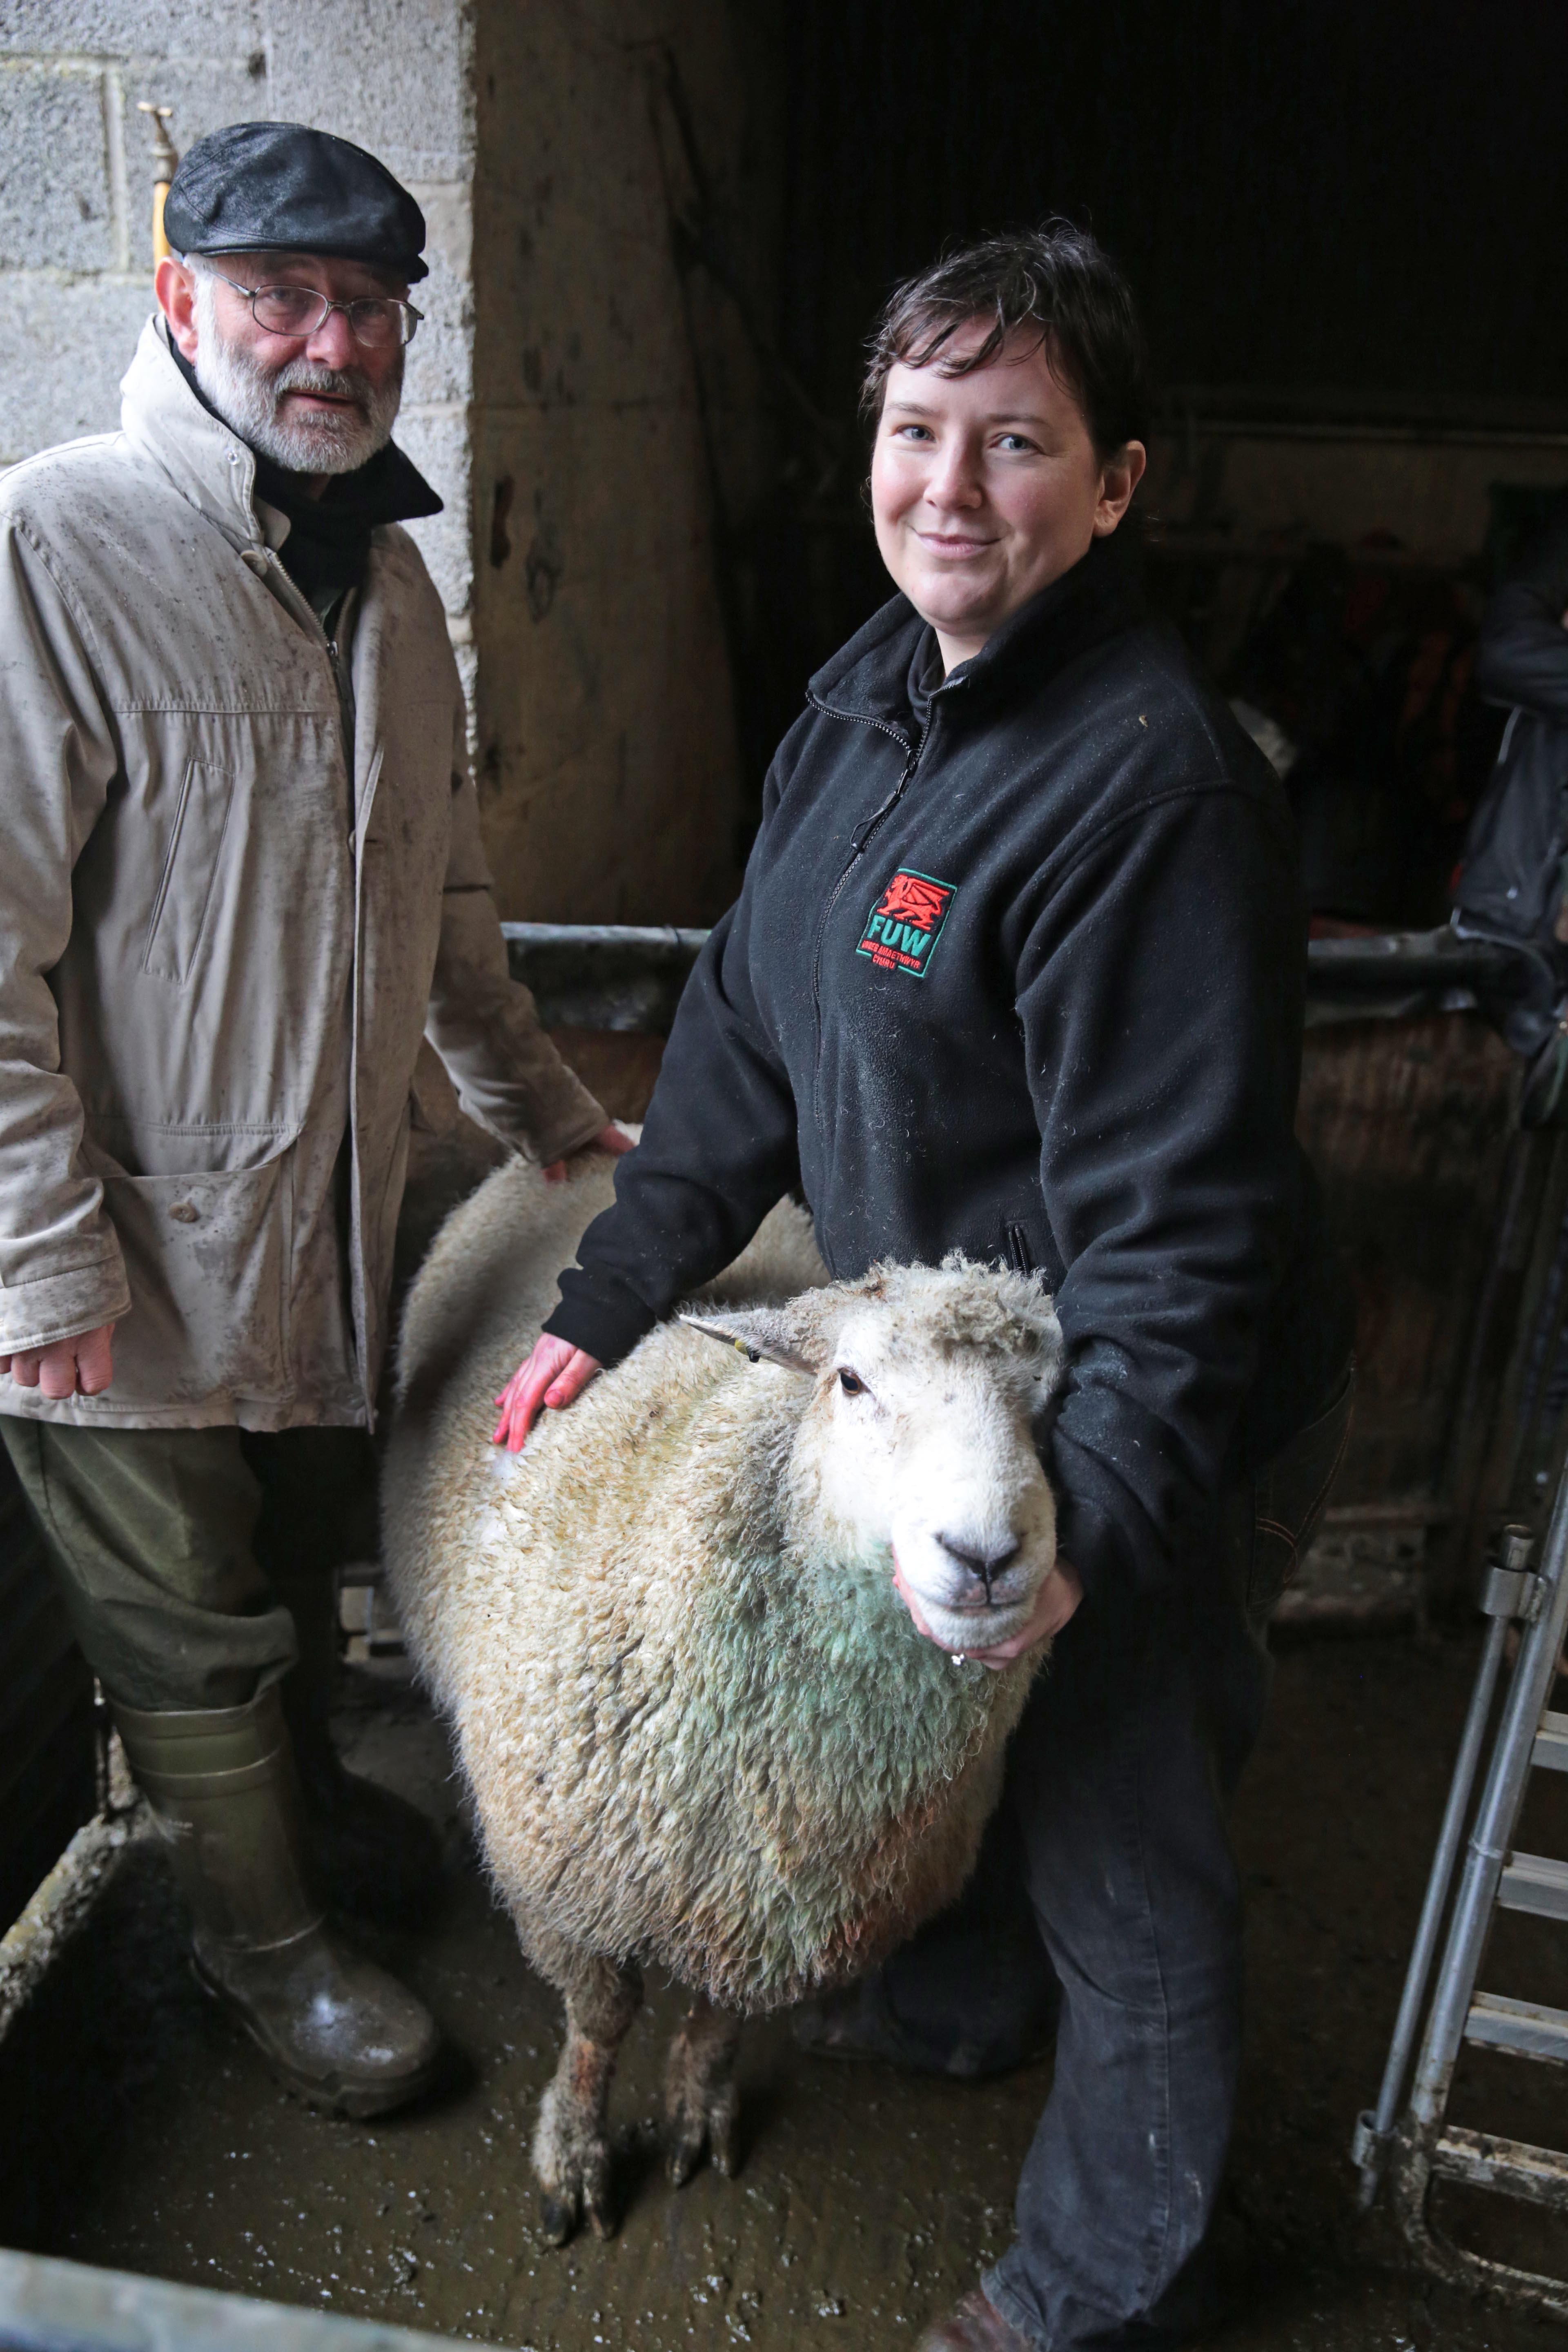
{"type": "Point", "coordinates": [140, 2133]}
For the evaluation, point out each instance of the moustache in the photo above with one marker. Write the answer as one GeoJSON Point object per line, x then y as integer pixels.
{"type": "Point", "coordinates": [343, 384]}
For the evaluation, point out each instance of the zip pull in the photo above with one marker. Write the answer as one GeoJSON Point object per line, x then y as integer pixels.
{"type": "Point", "coordinates": [867, 825]}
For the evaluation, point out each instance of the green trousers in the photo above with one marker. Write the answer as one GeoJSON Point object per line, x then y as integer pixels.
{"type": "Point", "coordinates": [197, 1563]}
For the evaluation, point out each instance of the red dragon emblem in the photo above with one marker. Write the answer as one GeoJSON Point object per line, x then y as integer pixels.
{"type": "Point", "coordinates": [911, 898]}
{"type": "Point", "coordinates": [905, 924]}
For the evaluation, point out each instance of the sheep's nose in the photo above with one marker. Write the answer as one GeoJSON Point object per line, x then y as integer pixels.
{"type": "Point", "coordinates": [984, 1565]}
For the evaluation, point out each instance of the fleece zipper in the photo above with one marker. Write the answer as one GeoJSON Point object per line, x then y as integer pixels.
{"type": "Point", "coordinates": [860, 841]}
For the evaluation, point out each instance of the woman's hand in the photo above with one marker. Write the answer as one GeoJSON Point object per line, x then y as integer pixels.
{"type": "Point", "coordinates": [609, 1139]}
{"type": "Point", "coordinates": [553, 1375]}
{"type": "Point", "coordinates": [1058, 1597]}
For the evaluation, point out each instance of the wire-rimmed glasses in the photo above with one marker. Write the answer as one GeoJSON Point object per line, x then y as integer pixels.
{"type": "Point", "coordinates": [374, 320]}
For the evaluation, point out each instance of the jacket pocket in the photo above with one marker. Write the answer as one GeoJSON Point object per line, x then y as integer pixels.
{"type": "Point", "coordinates": [185, 892]}
{"type": "Point", "coordinates": [207, 1260]}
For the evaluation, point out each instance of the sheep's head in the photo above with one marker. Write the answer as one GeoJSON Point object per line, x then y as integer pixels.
{"type": "Point", "coordinates": [919, 1435]}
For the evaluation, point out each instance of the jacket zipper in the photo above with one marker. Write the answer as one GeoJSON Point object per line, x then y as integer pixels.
{"type": "Point", "coordinates": [346, 720]}
{"type": "Point", "coordinates": [304, 610]}
{"type": "Point", "coordinates": [860, 842]}
{"type": "Point", "coordinates": [293, 601]}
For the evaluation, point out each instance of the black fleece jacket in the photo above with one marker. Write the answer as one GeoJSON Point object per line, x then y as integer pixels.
{"type": "Point", "coordinates": [1029, 984]}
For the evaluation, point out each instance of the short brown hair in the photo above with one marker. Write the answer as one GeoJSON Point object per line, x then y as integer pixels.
{"type": "Point", "coordinates": [1055, 278]}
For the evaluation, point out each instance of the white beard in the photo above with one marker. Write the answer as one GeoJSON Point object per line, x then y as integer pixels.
{"type": "Point", "coordinates": [249, 400]}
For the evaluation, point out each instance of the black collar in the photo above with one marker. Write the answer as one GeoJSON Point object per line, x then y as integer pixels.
{"type": "Point", "coordinates": [869, 678]}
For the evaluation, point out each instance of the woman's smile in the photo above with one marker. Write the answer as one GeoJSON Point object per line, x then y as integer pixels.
{"type": "Point", "coordinates": [950, 547]}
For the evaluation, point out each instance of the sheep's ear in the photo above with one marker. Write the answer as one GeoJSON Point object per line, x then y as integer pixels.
{"type": "Point", "coordinates": [762, 1334]}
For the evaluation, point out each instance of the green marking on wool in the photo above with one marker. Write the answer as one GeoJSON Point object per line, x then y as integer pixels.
{"type": "Point", "coordinates": [827, 1714]}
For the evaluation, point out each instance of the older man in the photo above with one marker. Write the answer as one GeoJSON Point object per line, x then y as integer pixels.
{"type": "Point", "coordinates": [243, 878]}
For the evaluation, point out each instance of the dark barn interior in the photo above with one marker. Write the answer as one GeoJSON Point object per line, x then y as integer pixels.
{"type": "Point", "coordinates": [675, 224]}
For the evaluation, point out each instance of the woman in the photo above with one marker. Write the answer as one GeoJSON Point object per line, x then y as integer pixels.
{"type": "Point", "coordinates": [1017, 969]}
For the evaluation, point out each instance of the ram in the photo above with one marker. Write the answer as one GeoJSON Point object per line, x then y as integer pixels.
{"type": "Point", "coordinates": [698, 1726]}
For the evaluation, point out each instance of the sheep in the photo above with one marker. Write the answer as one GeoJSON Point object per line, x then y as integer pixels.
{"type": "Point", "coordinates": [697, 1725]}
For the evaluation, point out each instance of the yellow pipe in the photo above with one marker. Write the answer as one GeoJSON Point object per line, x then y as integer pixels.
{"type": "Point", "coordinates": [165, 163]}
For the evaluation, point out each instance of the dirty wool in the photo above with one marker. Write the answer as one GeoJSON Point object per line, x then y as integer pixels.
{"type": "Point", "coordinates": [699, 1727]}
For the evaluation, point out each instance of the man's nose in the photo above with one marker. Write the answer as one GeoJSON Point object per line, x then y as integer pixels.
{"type": "Point", "coordinates": [333, 345]}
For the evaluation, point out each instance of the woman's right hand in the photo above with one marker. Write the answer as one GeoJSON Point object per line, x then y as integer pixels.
{"type": "Point", "coordinates": [553, 1375]}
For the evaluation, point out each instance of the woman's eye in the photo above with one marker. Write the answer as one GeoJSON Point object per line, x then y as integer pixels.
{"type": "Point", "coordinates": [1012, 442]}
{"type": "Point", "coordinates": [851, 1384]}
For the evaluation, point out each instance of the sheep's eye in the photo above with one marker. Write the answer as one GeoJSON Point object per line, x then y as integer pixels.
{"type": "Point", "coordinates": [851, 1384]}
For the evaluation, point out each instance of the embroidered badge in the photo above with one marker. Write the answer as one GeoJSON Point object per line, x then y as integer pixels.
{"type": "Point", "coordinates": [904, 926]}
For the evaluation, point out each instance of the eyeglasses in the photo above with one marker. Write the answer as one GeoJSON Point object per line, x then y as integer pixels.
{"type": "Point", "coordinates": [374, 320]}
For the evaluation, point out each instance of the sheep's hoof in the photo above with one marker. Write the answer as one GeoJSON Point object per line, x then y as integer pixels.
{"type": "Point", "coordinates": [557, 2218]}
{"type": "Point", "coordinates": [691, 2129]}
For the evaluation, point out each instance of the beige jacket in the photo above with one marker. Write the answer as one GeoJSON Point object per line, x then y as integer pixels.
{"type": "Point", "coordinates": [217, 950]}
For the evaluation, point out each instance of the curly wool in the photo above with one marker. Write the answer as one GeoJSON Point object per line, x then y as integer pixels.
{"type": "Point", "coordinates": [696, 1732]}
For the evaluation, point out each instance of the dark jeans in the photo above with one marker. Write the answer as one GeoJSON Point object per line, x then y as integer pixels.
{"type": "Point", "coordinates": [1115, 1818]}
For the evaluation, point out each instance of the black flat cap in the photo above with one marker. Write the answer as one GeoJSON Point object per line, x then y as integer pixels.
{"type": "Point", "coordinates": [279, 187]}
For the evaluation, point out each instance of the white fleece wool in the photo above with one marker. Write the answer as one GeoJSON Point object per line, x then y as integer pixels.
{"type": "Point", "coordinates": [698, 1726]}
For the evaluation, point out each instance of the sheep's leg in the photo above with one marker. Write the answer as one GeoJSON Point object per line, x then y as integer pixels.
{"type": "Point", "coordinates": [571, 2144]}
{"type": "Point", "coordinates": [700, 2101]}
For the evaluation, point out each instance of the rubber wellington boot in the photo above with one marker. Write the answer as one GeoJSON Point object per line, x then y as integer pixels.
{"type": "Point", "coordinates": [333, 2026]}
{"type": "Point", "coordinates": [379, 1855]}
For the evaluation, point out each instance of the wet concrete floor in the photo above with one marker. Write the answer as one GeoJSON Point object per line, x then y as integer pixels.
{"type": "Point", "coordinates": [137, 2131]}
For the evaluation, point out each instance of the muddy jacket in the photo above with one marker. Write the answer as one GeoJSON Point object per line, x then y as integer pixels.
{"type": "Point", "coordinates": [1027, 985]}
{"type": "Point", "coordinates": [219, 947]}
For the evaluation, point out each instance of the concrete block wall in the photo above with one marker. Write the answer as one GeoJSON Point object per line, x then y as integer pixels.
{"type": "Point", "coordinates": [76, 253]}
{"type": "Point", "coordinates": [397, 77]}
{"type": "Point", "coordinates": [76, 186]}
{"type": "Point", "coordinates": [553, 393]}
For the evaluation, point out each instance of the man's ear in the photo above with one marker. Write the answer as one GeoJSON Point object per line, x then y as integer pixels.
{"type": "Point", "coordinates": [769, 1335]}
{"type": "Point", "coordinates": [175, 288]}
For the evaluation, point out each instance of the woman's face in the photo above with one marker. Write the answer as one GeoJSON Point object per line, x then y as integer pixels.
{"type": "Point", "coordinates": [987, 488]}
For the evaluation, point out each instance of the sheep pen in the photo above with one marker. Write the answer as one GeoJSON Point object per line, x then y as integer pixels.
{"type": "Point", "coordinates": [698, 1726]}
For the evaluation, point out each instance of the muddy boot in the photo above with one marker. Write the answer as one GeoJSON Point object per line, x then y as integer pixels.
{"type": "Point", "coordinates": [379, 1855]}
{"type": "Point", "coordinates": [975, 2326]}
{"type": "Point", "coordinates": [335, 2028]}
{"type": "Point", "coordinates": [952, 2003]}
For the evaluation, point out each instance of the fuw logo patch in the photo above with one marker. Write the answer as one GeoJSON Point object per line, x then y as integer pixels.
{"type": "Point", "coordinates": [904, 926]}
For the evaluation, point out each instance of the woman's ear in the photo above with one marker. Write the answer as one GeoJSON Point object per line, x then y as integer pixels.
{"type": "Point", "coordinates": [1119, 477]}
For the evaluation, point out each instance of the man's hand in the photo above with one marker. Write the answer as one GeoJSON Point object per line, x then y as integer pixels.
{"type": "Point", "coordinates": [553, 1375]}
{"type": "Point", "coordinates": [1058, 1597]}
{"type": "Point", "coordinates": [609, 1139]}
{"type": "Point", "coordinates": [85, 1364]}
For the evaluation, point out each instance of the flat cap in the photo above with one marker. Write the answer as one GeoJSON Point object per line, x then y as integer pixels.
{"type": "Point", "coordinates": [280, 187]}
